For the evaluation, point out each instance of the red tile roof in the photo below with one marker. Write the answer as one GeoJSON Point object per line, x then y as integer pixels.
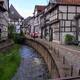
{"type": "Point", "coordinates": [76, 2]}
{"type": "Point", "coordinates": [40, 8]}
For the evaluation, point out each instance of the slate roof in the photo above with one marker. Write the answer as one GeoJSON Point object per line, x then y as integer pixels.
{"type": "Point", "coordinates": [14, 15]}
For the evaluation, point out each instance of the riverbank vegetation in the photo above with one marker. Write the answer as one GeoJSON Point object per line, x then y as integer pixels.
{"type": "Point", "coordinates": [17, 37]}
{"type": "Point", "coordinates": [9, 62]}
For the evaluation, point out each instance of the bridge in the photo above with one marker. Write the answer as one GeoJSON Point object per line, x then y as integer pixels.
{"type": "Point", "coordinates": [63, 61]}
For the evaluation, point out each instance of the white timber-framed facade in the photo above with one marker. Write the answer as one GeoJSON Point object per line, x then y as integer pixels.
{"type": "Point", "coordinates": [61, 19]}
{"type": "Point", "coordinates": [4, 19]}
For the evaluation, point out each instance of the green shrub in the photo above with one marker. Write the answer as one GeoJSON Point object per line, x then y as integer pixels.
{"type": "Point", "coordinates": [18, 38]}
{"type": "Point", "coordinates": [69, 39]}
{"type": "Point", "coordinates": [11, 31]}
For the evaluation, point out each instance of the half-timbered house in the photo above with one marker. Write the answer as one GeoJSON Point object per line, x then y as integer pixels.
{"type": "Point", "coordinates": [61, 20]}
{"type": "Point", "coordinates": [37, 14]}
{"type": "Point", "coordinates": [3, 19]}
{"type": "Point", "coordinates": [15, 18]}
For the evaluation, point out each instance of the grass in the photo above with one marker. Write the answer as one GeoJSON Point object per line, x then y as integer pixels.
{"type": "Point", "coordinates": [9, 62]}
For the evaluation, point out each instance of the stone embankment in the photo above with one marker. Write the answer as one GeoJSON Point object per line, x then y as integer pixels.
{"type": "Point", "coordinates": [61, 60]}
{"type": "Point", "coordinates": [6, 45]}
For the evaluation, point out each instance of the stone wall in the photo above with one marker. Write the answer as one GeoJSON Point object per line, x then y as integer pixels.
{"type": "Point", "coordinates": [45, 53]}
{"type": "Point", "coordinates": [6, 45]}
{"type": "Point", "coordinates": [61, 60]}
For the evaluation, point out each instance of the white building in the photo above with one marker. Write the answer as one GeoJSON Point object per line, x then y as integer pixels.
{"type": "Point", "coordinates": [61, 14]}
{"type": "Point", "coordinates": [15, 18]}
{"type": "Point", "coordinates": [37, 14]}
{"type": "Point", "coordinates": [28, 25]}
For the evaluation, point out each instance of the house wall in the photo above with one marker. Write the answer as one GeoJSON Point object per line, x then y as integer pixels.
{"type": "Point", "coordinates": [31, 22]}
{"type": "Point", "coordinates": [53, 15]}
{"type": "Point", "coordinates": [55, 28]}
{"type": "Point", "coordinates": [17, 24]}
{"type": "Point", "coordinates": [37, 23]}
{"type": "Point", "coordinates": [79, 30]}
{"type": "Point", "coordinates": [61, 20]}
{"type": "Point", "coordinates": [4, 21]}
{"type": "Point", "coordinates": [66, 17]}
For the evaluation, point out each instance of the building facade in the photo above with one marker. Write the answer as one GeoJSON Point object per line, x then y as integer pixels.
{"type": "Point", "coordinates": [15, 19]}
{"type": "Point", "coordinates": [39, 9]}
{"type": "Point", "coordinates": [61, 18]}
{"type": "Point", "coordinates": [4, 19]}
{"type": "Point", "coordinates": [28, 25]}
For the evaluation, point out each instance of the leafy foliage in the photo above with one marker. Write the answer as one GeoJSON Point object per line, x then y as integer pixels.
{"type": "Point", "coordinates": [16, 37]}
{"type": "Point", "coordinates": [19, 38]}
{"type": "Point", "coordinates": [11, 31]}
{"type": "Point", "coordinates": [69, 39]}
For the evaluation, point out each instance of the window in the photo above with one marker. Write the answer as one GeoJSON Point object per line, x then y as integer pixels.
{"type": "Point", "coordinates": [71, 16]}
{"type": "Point", "coordinates": [67, 23]}
{"type": "Point", "coordinates": [62, 23]}
{"type": "Point", "coordinates": [78, 9]}
{"type": "Point", "coordinates": [67, 29]}
{"type": "Point", "coordinates": [62, 29]}
{"type": "Point", "coordinates": [63, 8]}
{"type": "Point", "coordinates": [65, 16]}
{"type": "Point", "coordinates": [71, 9]}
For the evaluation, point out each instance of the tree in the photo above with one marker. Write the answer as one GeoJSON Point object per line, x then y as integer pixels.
{"type": "Point", "coordinates": [11, 30]}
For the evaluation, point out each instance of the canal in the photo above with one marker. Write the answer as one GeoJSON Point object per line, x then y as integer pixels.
{"type": "Point", "coordinates": [32, 66]}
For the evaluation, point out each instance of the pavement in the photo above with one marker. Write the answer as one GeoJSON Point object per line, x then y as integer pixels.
{"type": "Point", "coordinates": [5, 44]}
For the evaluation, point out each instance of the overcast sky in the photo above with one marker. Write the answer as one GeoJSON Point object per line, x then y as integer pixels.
{"type": "Point", "coordinates": [26, 7]}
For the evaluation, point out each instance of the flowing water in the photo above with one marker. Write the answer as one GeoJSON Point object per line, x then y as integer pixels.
{"type": "Point", "coordinates": [32, 66]}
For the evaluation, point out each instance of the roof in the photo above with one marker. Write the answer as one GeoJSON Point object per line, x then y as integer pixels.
{"type": "Point", "coordinates": [14, 15]}
{"type": "Point", "coordinates": [25, 22]}
{"type": "Point", "coordinates": [72, 2]}
{"type": "Point", "coordinates": [39, 8]}
{"type": "Point", "coordinates": [69, 1]}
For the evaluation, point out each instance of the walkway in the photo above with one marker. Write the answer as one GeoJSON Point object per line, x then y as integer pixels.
{"type": "Point", "coordinates": [5, 44]}
{"type": "Point", "coordinates": [32, 67]}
